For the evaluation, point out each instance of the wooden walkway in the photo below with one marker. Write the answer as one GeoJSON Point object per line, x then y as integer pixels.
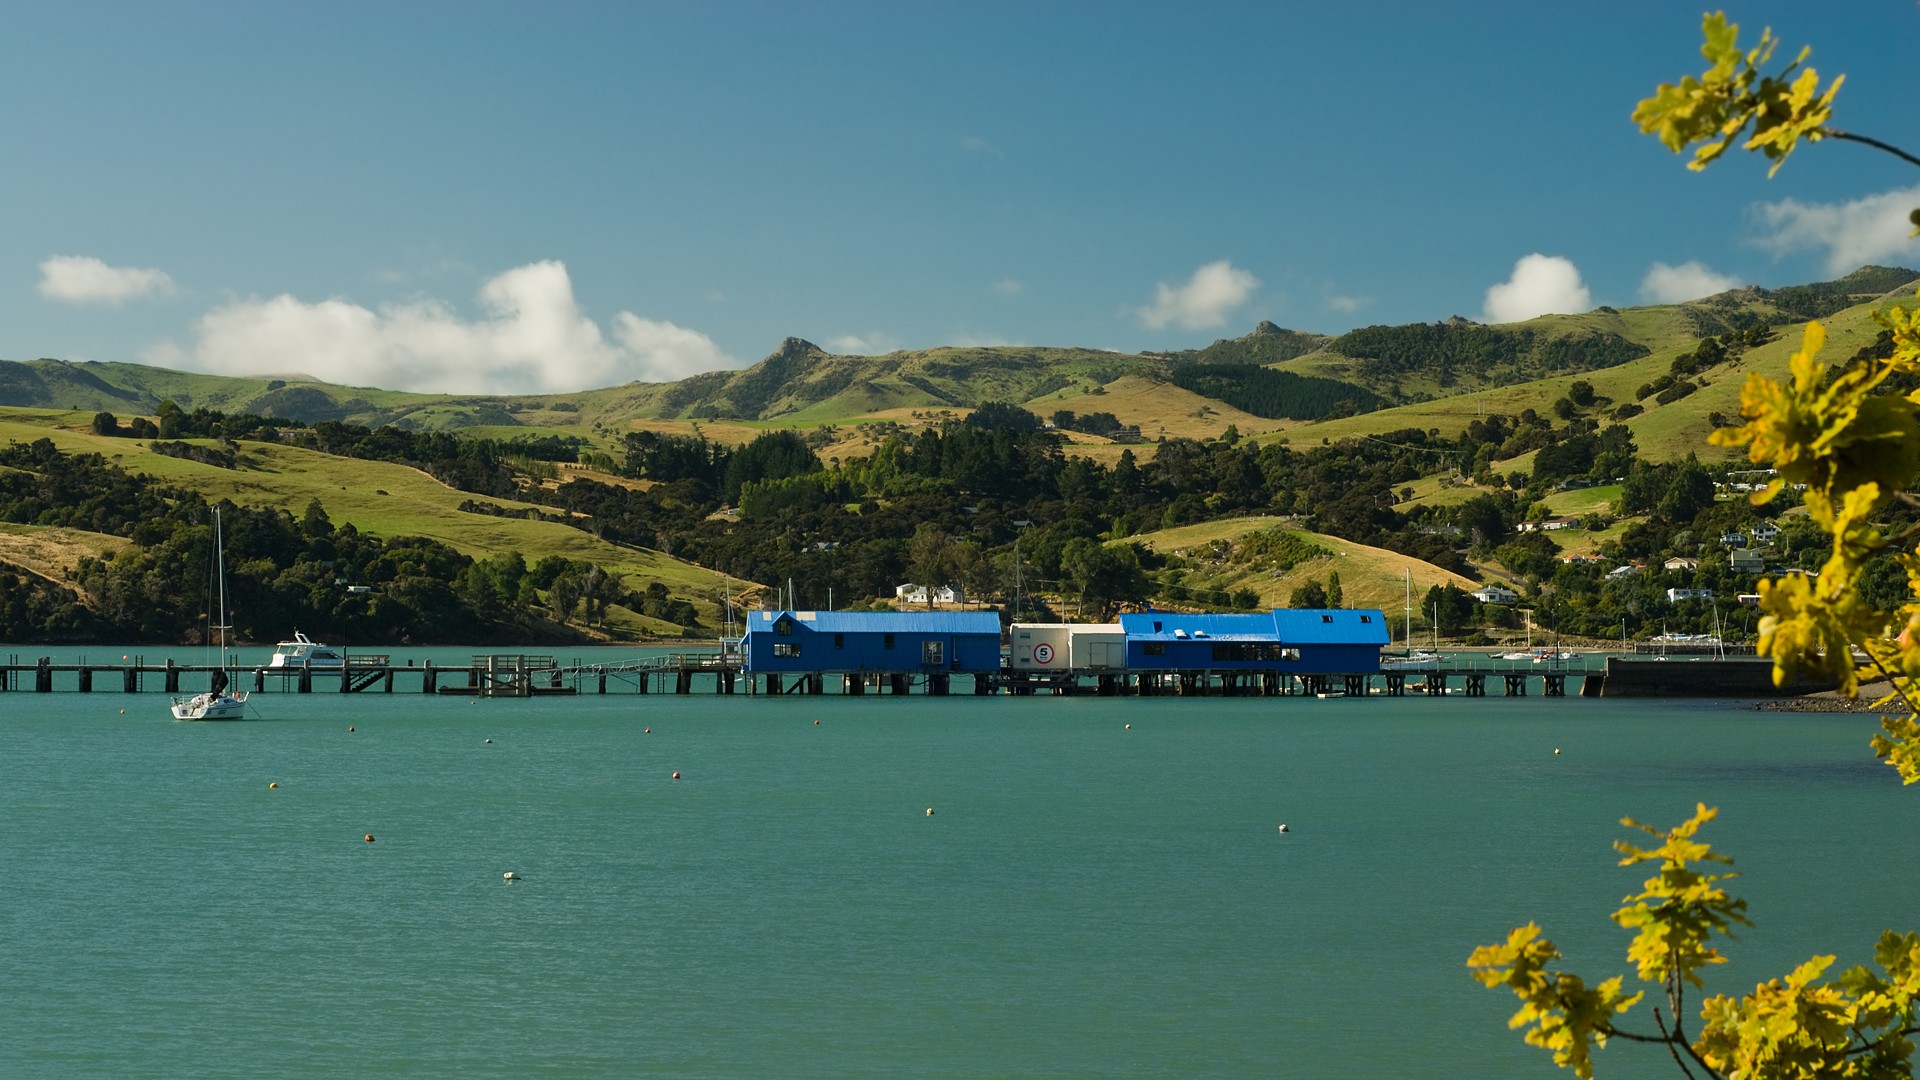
{"type": "Point", "coordinates": [511, 675]}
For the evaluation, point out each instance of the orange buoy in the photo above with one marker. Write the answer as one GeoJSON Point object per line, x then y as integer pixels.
{"type": "Point", "coordinates": [649, 731]}
{"type": "Point", "coordinates": [816, 723]}
{"type": "Point", "coordinates": [349, 729]}
{"type": "Point", "coordinates": [676, 776]}
{"type": "Point", "coordinates": [1129, 727]}
{"type": "Point", "coordinates": [369, 838]}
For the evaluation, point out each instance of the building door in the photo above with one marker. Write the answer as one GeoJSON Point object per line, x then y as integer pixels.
{"type": "Point", "coordinates": [933, 654]}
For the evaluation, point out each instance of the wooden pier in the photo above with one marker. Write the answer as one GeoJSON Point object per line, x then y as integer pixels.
{"type": "Point", "coordinates": [520, 675]}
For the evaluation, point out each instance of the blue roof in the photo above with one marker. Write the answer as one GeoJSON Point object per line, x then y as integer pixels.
{"type": "Point", "coordinates": [1336, 626]}
{"type": "Point", "coordinates": [883, 622]}
{"type": "Point", "coordinates": [1172, 625]}
{"type": "Point", "coordinates": [1313, 626]}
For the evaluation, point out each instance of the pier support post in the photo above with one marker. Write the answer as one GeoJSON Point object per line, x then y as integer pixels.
{"type": "Point", "coordinates": [86, 679]}
{"type": "Point", "coordinates": [429, 679]}
{"type": "Point", "coordinates": [1556, 685]}
{"type": "Point", "coordinates": [129, 678]}
{"type": "Point", "coordinates": [305, 684]}
{"type": "Point", "coordinates": [173, 677]}
{"type": "Point", "coordinates": [724, 685]}
{"type": "Point", "coordinates": [773, 683]}
{"type": "Point", "coordinates": [853, 684]}
{"type": "Point", "coordinates": [1476, 685]}
{"type": "Point", "coordinates": [603, 680]}
{"type": "Point", "coordinates": [683, 682]}
{"type": "Point", "coordinates": [259, 680]}
{"type": "Point", "coordinates": [1396, 684]}
{"type": "Point", "coordinates": [43, 676]}
{"type": "Point", "coordinates": [937, 684]}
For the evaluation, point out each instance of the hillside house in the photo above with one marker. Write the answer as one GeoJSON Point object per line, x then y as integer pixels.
{"type": "Point", "coordinates": [1746, 561]}
{"type": "Point", "coordinates": [1681, 564]}
{"type": "Point", "coordinates": [1496, 594]}
{"type": "Point", "coordinates": [917, 594]}
{"type": "Point", "coordinates": [1674, 596]}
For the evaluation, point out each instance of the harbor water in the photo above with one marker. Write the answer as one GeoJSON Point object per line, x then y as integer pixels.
{"type": "Point", "coordinates": [1085, 898]}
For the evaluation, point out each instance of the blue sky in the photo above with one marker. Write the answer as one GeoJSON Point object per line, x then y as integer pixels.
{"type": "Point", "coordinates": [507, 197]}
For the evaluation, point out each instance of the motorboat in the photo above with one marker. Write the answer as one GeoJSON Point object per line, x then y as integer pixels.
{"type": "Point", "coordinates": [303, 651]}
{"type": "Point", "coordinates": [218, 703]}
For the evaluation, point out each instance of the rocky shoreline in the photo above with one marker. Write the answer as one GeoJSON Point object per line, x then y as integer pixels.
{"type": "Point", "coordinates": [1832, 701]}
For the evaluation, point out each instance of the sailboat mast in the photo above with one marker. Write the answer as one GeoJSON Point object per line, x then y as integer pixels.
{"type": "Point", "coordinates": [220, 565]}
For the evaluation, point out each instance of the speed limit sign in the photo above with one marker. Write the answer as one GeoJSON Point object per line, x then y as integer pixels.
{"type": "Point", "coordinates": [1043, 653]}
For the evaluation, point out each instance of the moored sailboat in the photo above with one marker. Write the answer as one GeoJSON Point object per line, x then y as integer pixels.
{"type": "Point", "coordinates": [217, 703]}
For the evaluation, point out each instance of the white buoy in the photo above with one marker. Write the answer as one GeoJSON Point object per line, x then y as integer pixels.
{"type": "Point", "coordinates": [1556, 750]}
{"type": "Point", "coordinates": [1283, 826]}
{"type": "Point", "coordinates": [489, 742]}
{"type": "Point", "coordinates": [510, 876]}
{"type": "Point", "coordinates": [929, 811]}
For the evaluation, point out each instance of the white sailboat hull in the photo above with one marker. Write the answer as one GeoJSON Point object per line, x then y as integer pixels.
{"type": "Point", "coordinates": [211, 707]}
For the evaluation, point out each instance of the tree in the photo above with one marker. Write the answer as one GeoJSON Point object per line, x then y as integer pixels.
{"type": "Point", "coordinates": [1311, 594]}
{"type": "Point", "coordinates": [1335, 596]}
{"type": "Point", "coordinates": [1851, 446]}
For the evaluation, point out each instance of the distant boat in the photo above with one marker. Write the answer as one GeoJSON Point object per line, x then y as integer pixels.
{"type": "Point", "coordinates": [303, 650]}
{"type": "Point", "coordinates": [217, 703]}
{"type": "Point", "coordinates": [1415, 660]}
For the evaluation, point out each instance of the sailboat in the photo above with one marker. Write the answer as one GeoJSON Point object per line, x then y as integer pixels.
{"type": "Point", "coordinates": [1412, 658]}
{"type": "Point", "coordinates": [217, 703]}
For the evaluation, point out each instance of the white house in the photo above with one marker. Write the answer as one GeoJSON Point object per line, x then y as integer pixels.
{"type": "Point", "coordinates": [1674, 596]}
{"type": "Point", "coordinates": [1681, 564]}
{"type": "Point", "coordinates": [917, 594]}
{"type": "Point", "coordinates": [1496, 594]}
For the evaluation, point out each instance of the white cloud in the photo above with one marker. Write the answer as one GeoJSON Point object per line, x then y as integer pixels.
{"type": "Point", "coordinates": [533, 338]}
{"type": "Point", "coordinates": [872, 343]}
{"type": "Point", "coordinates": [83, 279]}
{"type": "Point", "coordinates": [1873, 229]}
{"type": "Point", "coordinates": [1540, 285]}
{"type": "Point", "coordinates": [1205, 300]}
{"type": "Point", "coordinates": [1347, 305]}
{"type": "Point", "coordinates": [1009, 287]}
{"type": "Point", "coordinates": [1678, 284]}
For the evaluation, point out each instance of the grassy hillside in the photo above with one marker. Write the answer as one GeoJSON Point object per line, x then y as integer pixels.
{"type": "Point", "coordinates": [376, 497]}
{"type": "Point", "coordinates": [1370, 577]}
{"type": "Point", "coordinates": [1663, 432]}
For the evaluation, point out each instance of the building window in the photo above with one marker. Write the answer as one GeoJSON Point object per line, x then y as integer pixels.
{"type": "Point", "coordinates": [1326, 618]}
{"type": "Point", "coordinates": [1366, 618]}
{"type": "Point", "coordinates": [786, 649]}
{"type": "Point", "coordinates": [887, 642]}
{"type": "Point", "coordinates": [839, 641]}
{"type": "Point", "coordinates": [1154, 648]}
{"type": "Point", "coordinates": [1290, 654]}
{"type": "Point", "coordinates": [933, 653]}
{"type": "Point", "coordinates": [784, 627]}
{"type": "Point", "coordinates": [1156, 626]}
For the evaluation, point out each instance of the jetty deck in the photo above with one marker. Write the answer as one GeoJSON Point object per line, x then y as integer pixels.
{"type": "Point", "coordinates": [528, 675]}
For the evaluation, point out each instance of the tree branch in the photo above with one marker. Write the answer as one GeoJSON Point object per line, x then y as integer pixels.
{"type": "Point", "coordinates": [1673, 1044]}
{"type": "Point", "coordinates": [1834, 133]}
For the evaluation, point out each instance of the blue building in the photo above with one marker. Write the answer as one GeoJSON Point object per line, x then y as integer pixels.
{"type": "Point", "coordinates": [1305, 641]}
{"type": "Point", "coordinates": [883, 641]}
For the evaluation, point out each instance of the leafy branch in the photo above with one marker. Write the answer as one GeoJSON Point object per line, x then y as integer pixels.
{"type": "Point", "coordinates": [1849, 448]}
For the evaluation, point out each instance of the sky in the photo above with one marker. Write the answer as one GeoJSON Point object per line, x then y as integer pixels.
{"type": "Point", "coordinates": [493, 197]}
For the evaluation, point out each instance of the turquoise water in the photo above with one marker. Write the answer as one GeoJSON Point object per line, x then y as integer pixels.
{"type": "Point", "coordinates": [1087, 900]}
